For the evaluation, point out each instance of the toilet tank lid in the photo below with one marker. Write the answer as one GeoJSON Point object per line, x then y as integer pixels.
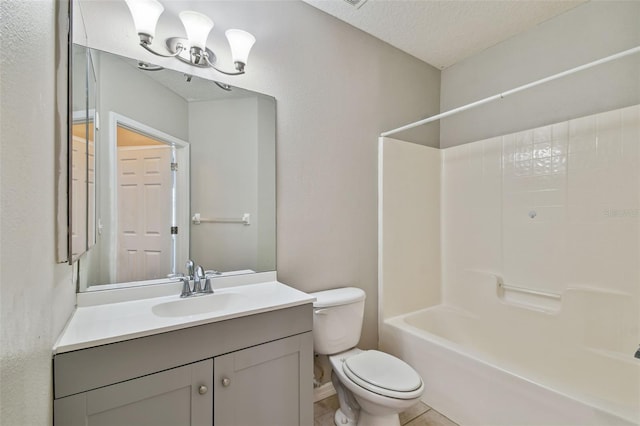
{"type": "Point", "coordinates": [337, 297]}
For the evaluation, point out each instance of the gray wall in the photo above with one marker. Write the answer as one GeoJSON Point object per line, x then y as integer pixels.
{"type": "Point", "coordinates": [37, 294]}
{"type": "Point", "coordinates": [266, 220]}
{"type": "Point", "coordinates": [224, 182]}
{"type": "Point", "coordinates": [586, 33]}
{"type": "Point", "coordinates": [337, 89]}
{"type": "Point", "coordinates": [233, 172]}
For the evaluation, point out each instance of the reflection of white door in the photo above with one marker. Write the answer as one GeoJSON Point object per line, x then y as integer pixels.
{"type": "Point", "coordinates": [79, 197]}
{"type": "Point", "coordinates": [144, 213]}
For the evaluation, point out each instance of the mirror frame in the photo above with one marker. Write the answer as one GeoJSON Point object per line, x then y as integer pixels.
{"type": "Point", "coordinates": [82, 238]}
{"type": "Point", "coordinates": [64, 120]}
{"type": "Point", "coordinates": [63, 123]}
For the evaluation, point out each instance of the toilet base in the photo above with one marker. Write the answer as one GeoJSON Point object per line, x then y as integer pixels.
{"type": "Point", "coordinates": [367, 419]}
{"type": "Point", "coordinates": [339, 419]}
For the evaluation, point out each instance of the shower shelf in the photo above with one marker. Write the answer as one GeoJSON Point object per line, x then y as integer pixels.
{"type": "Point", "coordinates": [539, 300]}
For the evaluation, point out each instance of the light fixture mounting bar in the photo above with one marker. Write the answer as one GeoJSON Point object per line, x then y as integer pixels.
{"type": "Point", "coordinates": [191, 50]}
{"type": "Point", "coordinates": [178, 43]}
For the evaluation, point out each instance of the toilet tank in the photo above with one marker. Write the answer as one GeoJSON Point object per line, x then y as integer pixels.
{"type": "Point", "coordinates": [337, 319]}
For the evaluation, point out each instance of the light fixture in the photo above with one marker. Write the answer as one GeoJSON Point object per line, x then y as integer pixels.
{"type": "Point", "coordinates": [193, 49]}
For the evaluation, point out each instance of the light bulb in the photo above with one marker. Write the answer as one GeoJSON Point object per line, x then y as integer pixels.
{"type": "Point", "coordinates": [145, 15]}
{"type": "Point", "coordinates": [197, 27]}
{"type": "Point", "coordinates": [240, 43]}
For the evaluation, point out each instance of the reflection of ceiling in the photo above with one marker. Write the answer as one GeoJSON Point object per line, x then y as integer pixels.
{"type": "Point", "coordinates": [128, 137]}
{"type": "Point", "coordinates": [198, 89]}
{"type": "Point", "coordinates": [443, 32]}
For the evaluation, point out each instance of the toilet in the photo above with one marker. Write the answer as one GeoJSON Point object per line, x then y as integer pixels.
{"type": "Point", "coordinates": [373, 387]}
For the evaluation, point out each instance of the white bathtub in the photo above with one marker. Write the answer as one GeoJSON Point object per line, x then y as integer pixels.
{"type": "Point", "coordinates": [481, 373]}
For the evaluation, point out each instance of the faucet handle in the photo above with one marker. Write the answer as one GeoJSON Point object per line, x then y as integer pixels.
{"type": "Point", "coordinates": [199, 271]}
{"type": "Point", "coordinates": [186, 287]}
{"type": "Point", "coordinates": [207, 285]}
{"type": "Point", "coordinates": [208, 274]}
{"type": "Point", "coordinates": [198, 276]}
{"type": "Point", "coordinates": [189, 267]}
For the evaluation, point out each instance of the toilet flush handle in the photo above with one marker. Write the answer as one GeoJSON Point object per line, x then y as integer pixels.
{"type": "Point", "coordinates": [320, 311]}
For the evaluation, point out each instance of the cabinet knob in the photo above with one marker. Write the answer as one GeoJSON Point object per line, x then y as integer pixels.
{"type": "Point", "coordinates": [226, 382]}
{"type": "Point", "coordinates": [202, 389]}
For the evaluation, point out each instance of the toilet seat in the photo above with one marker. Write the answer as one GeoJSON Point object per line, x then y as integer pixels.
{"type": "Point", "coordinates": [383, 374]}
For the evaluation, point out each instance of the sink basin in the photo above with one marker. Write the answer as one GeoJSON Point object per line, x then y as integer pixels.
{"type": "Point", "coordinates": [199, 305]}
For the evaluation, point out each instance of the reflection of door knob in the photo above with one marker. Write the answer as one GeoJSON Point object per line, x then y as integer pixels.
{"type": "Point", "coordinates": [226, 382]}
{"type": "Point", "coordinates": [202, 389]}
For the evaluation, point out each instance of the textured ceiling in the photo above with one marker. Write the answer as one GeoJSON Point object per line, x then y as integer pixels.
{"type": "Point", "coordinates": [443, 32]}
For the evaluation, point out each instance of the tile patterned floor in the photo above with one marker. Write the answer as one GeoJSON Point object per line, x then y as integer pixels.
{"type": "Point", "coordinates": [419, 415]}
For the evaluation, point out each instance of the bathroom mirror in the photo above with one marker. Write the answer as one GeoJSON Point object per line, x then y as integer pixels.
{"type": "Point", "coordinates": [185, 168]}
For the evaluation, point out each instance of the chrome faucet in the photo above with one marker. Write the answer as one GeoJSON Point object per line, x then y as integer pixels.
{"type": "Point", "coordinates": [197, 274]}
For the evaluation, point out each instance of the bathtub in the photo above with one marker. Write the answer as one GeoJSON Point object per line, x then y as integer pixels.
{"type": "Point", "coordinates": [478, 372]}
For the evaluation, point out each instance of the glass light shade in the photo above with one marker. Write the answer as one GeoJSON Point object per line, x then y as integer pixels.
{"type": "Point", "coordinates": [197, 27]}
{"type": "Point", "coordinates": [145, 15]}
{"type": "Point", "coordinates": [240, 43]}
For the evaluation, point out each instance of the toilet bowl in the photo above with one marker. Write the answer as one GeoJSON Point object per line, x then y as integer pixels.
{"type": "Point", "coordinates": [372, 386]}
{"type": "Point", "coordinates": [382, 386]}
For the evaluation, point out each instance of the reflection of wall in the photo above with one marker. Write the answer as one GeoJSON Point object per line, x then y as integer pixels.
{"type": "Point", "coordinates": [224, 182]}
{"type": "Point", "coordinates": [162, 109]}
{"type": "Point", "coordinates": [266, 219]}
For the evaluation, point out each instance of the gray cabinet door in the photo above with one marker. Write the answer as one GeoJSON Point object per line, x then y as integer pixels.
{"type": "Point", "coordinates": [266, 385]}
{"type": "Point", "coordinates": [174, 397]}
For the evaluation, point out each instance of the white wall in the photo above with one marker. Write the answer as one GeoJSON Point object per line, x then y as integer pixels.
{"type": "Point", "coordinates": [586, 33]}
{"type": "Point", "coordinates": [409, 262]}
{"type": "Point", "coordinates": [37, 294]}
{"type": "Point", "coordinates": [337, 89]}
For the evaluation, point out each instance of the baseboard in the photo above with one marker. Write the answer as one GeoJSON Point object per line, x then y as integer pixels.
{"type": "Point", "coordinates": [324, 391]}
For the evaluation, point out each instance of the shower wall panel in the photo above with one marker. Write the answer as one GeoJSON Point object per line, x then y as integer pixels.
{"type": "Point", "coordinates": [409, 259]}
{"type": "Point", "coordinates": [554, 210]}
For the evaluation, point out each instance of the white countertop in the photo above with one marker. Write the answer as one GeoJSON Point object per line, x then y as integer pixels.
{"type": "Point", "coordinates": [114, 322]}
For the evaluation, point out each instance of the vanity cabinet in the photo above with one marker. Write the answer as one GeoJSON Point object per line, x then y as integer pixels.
{"type": "Point", "coordinates": [179, 396]}
{"type": "Point", "coordinates": [259, 385]}
{"type": "Point", "coordinates": [253, 370]}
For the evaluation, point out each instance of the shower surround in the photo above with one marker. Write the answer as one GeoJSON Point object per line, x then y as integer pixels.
{"type": "Point", "coordinates": [510, 272]}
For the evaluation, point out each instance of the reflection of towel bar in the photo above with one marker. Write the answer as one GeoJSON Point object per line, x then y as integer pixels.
{"type": "Point", "coordinates": [245, 220]}
{"type": "Point", "coordinates": [504, 286]}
